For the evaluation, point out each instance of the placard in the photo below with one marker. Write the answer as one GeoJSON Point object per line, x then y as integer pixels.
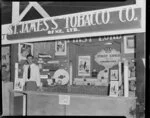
{"type": "Point", "coordinates": [84, 66]}
{"type": "Point", "coordinates": [5, 56]}
{"type": "Point", "coordinates": [60, 48]}
{"type": "Point", "coordinates": [108, 57]}
{"type": "Point", "coordinates": [114, 75]}
{"type": "Point", "coordinates": [19, 82]}
{"type": "Point", "coordinates": [114, 86]}
{"type": "Point", "coordinates": [64, 99]}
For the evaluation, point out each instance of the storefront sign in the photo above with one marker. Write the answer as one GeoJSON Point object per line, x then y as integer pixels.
{"type": "Point", "coordinates": [107, 57]}
{"type": "Point", "coordinates": [86, 22]}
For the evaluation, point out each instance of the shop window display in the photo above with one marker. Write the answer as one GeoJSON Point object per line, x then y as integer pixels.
{"type": "Point", "coordinates": [91, 65]}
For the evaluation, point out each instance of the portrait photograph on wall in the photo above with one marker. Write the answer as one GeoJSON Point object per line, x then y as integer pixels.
{"type": "Point", "coordinates": [24, 49]}
{"type": "Point", "coordinates": [60, 48]}
{"type": "Point", "coordinates": [84, 65]}
{"type": "Point", "coordinates": [129, 44]}
{"type": "Point", "coordinates": [114, 75]}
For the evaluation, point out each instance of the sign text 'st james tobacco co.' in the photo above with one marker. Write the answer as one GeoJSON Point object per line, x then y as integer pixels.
{"type": "Point", "coordinates": [95, 21]}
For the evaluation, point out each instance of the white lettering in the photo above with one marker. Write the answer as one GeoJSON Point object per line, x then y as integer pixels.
{"type": "Point", "coordinates": [73, 21]}
{"type": "Point", "coordinates": [121, 17]}
{"type": "Point", "coordinates": [80, 21]}
{"type": "Point", "coordinates": [97, 18]}
{"type": "Point", "coordinates": [32, 27]}
{"type": "Point", "coordinates": [10, 30]}
{"type": "Point", "coordinates": [22, 30]}
{"type": "Point", "coordinates": [87, 20]}
{"type": "Point", "coordinates": [38, 25]}
{"type": "Point", "coordinates": [107, 17]}
{"type": "Point", "coordinates": [55, 24]}
{"type": "Point", "coordinates": [92, 19]}
{"type": "Point", "coordinates": [67, 22]}
{"type": "Point", "coordinates": [46, 25]}
{"type": "Point", "coordinates": [132, 14]}
{"type": "Point", "coordinates": [15, 29]}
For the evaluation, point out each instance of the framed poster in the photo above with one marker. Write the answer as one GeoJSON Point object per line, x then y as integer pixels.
{"type": "Point", "coordinates": [19, 82]}
{"type": "Point", "coordinates": [84, 65]}
{"type": "Point", "coordinates": [129, 44]}
{"type": "Point", "coordinates": [24, 49]}
{"type": "Point", "coordinates": [114, 75]}
{"type": "Point", "coordinates": [20, 70]}
{"type": "Point", "coordinates": [5, 63]}
{"type": "Point", "coordinates": [114, 86]}
{"type": "Point", "coordinates": [60, 48]}
{"type": "Point", "coordinates": [132, 69]}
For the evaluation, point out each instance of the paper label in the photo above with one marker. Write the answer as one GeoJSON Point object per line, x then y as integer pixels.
{"type": "Point", "coordinates": [64, 99]}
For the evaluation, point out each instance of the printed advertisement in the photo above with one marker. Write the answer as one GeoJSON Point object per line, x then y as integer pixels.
{"type": "Point", "coordinates": [107, 57]}
{"type": "Point", "coordinates": [5, 63]}
{"type": "Point", "coordinates": [84, 65]}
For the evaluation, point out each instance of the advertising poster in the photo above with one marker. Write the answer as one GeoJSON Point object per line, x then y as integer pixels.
{"type": "Point", "coordinates": [19, 82]}
{"type": "Point", "coordinates": [114, 88]}
{"type": "Point", "coordinates": [60, 48]}
{"type": "Point", "coordinates": [24, 49]}
{"type": "Point", "coordinates": [84, 66]}
{"type": "Point", "coordinates": [114, 75]}
{"type": "Point", "coordinates": [108, 57]}
{"type": "Point", "coordinates": [5, 63]}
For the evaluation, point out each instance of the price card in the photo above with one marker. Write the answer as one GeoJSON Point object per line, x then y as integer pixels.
{"type": "Point", "coordinates": [64, 99]}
